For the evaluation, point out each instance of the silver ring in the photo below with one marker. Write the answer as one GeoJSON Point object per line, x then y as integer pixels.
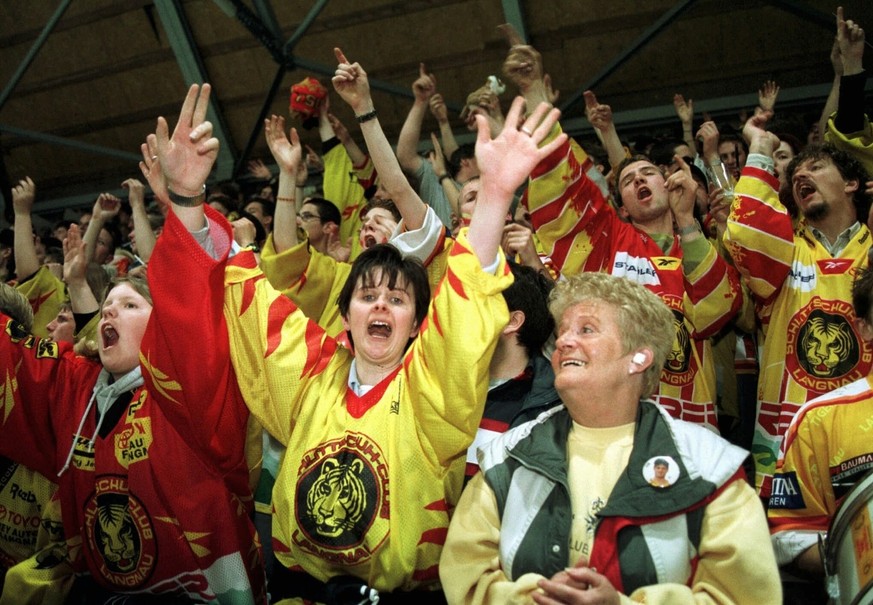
{"type": "Point", "coordinates": [154, 157]}
{"type": "Point", "coordinates": [526, 131]}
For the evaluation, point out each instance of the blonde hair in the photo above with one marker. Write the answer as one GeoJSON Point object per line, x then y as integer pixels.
{"type": "Point", "coordinates": [643, 319]}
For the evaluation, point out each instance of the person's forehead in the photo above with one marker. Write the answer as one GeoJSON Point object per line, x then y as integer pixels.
{"type": "Point", "coordinates": [383, 212]}
{"type": "Point", "coordinates": [309, 207]}
{"type": "Point", "coordinates": [471, 185]}
{"type": "Point", "coordinates": [824, 160]}
{"type": "Point", "coordinates": [638, 165]}
{"type": "Point", "coordinates": [377, 278]}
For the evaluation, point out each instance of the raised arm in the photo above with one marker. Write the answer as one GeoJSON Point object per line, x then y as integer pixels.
{"type": "Point", "coordinates": [142, 228]}
{"type": "Point", "coordinates": [685, 112]}
{"type": "Point", "coordinates": [850, 107]}
{"type": "Point", "coordinates": [450, 189]}
{"type": "Point", "coordinates": [26, 262]}
{"type": "Point", "coordinates": [407, 143]}
{"type": "Point", "coordinates": [504, 164]}
{"type": "Point", "coordinates": [82, 299]}
{"type": "Point", "coordinates": [524, 67]}
{"type": "Point", "coordinates": [834, 95]}
{"type": "Point", "coordinates": [352, 85]}
{"type": "Point", "coordinates": [441, 113]}
{"type": "Point", "coordinates": [600, 116]}
{"type": "Point", "coordinates": [105, 209]}
{"type": "Point", "coordinates": [180, 164]}
{"type": "Point", "coordinates": [288, 154]}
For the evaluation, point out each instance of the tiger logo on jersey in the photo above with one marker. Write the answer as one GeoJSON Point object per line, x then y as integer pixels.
{"type": "Point", "coordinates": [823, 350]}
{"type": "Point", "coordinates": [342, 495]}
{"type": "Point", "coordinates": [338, 499]}
{"type": "Point", "coordinates": [120, 534]}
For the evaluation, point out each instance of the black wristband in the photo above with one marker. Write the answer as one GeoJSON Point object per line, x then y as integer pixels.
{"type": "Point", "coordinates": [185, 201]}
{"type": "Point", "coordinates": [366, 117]}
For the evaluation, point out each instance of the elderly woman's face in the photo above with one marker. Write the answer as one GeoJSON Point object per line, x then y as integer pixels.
{"type": "Point", "coordinates": [589, 354]}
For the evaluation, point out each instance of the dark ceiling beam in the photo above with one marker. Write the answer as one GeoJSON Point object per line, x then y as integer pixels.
{"type": "Point", "coordinates": [253, 23]}
{"type": "Point", "coordinates": [619, 60]}
{"type": "Point", "coordinates": [303, 27]}
{"type": "Point", "coordinates": [181, 40]}
{"type": "Point", "coordinates": [80, 17]}
{"type": "Point", "coordinates": [265, 12]}
{"type": "Point", "coordinates": [51, 139]}
{"type": "Point", "coordinates": [34, 49]}
{"type": "Point", "coordinates": [802, 10]}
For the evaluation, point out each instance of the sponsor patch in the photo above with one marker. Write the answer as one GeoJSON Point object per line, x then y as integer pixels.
{"type": "Point", "coordinates": [785, 492]}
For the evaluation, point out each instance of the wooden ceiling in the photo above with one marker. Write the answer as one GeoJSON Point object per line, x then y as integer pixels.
{"type": "Point", "coordinates": [84, 80]}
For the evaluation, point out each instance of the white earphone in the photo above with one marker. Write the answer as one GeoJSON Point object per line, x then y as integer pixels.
{"type": "Point", "coordinates": [639, 359]}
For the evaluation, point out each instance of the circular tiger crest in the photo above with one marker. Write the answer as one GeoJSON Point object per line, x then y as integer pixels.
{"type": "Point", "coordinates": [823, 350]}
{"type": "Point", "coordinates": [341, 491]}
{"type": "Point", "coordinates": [120, 534]}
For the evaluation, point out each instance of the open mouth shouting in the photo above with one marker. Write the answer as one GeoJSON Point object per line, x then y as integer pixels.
{"type": "Point", "coordinates": [803, 190]}
{"type": "Point", "coordinates": [379, 329]}
{"type": "Point", "coordinates": [643, 193]}
{"type": "Point", "coordinates": [108, 336]}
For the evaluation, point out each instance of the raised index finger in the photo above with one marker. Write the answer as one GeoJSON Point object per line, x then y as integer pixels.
{"type": "Point", "coordinates": [510, 34]}
{"type": "Point", "coordinates": [340, 56]}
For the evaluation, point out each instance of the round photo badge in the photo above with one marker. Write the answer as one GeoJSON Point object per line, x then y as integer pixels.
{"type": "Point", "coordinates": [661, 471]}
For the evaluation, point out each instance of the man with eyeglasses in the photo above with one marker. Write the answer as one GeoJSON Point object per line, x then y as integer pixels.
{"type": "Point", "coordinates": [320, 219]}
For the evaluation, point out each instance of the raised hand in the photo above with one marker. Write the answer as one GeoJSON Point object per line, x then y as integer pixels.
{"type": "Point", "coordinates": [105, 208]}
{"type": "Point", "coordinates": [438, 108]}
{"type": "Point", "coordinates": [851, 40]}
{"type": "Point", "coordinates": [684, 109]}
{"type": "Point", "coordinates": [524, 64]}
{"type": "Point", "coordinates": [767, 96]}
{"type": "Point", "coordinates": [438, 159]}
{"type": "Point", "coordinates": [258, 170]}
{"type": "Point", "coordinates": [75, 259]}
{"type": "Point", "coordinates": [425, 85]}
{"type": "Point", "coordinates": [681, 188]}
{"type": "Point", "coordinates": [23, 195]}
{"type": "Point", "coordinates": [351, 83]}
{"type": "Point", "coordinates": [507, 160]}
{"type": "Point", "coordinates": [287, 153]}
{"type": "Point", "coordinates": [760, 141]}
{"type": "Point", "coordinates": [135, 192]}
{"type": "Point", "coordinates": [708, 136]}
{"type": "Point", "coordinates": [339, 129]}
{"type": "Point", "coordinates": [187, 157]}
{"type": "Point", "coordinates": [598, 114]}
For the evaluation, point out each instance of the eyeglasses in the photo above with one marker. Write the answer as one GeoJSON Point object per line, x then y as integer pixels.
{"type": "Point", "coordinates": [308, 216]}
